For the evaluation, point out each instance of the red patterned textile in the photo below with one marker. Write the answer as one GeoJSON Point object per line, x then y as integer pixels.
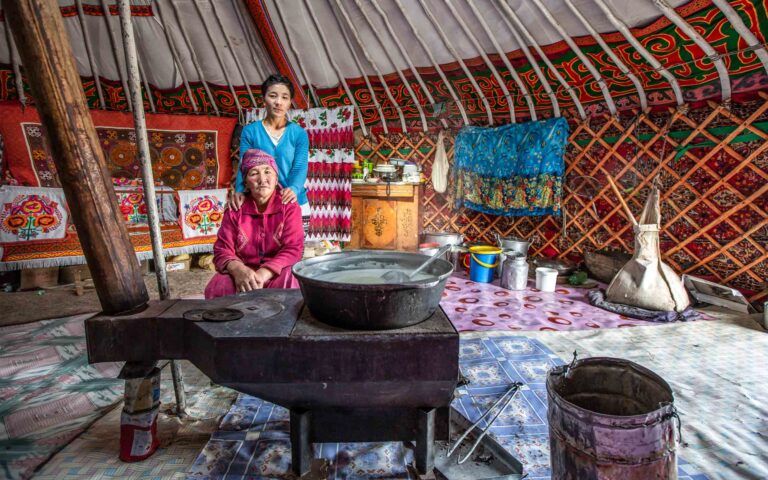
{"type": "Point", "coordinates": [180, 159]}
{"type": "Point", "coordinates": [17, 154]}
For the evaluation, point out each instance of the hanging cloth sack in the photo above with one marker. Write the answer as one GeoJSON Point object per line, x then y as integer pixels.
{"type": "Point", "coordinates": [440, 166]}
{"type": "Point", "coordinates": [645, 281]}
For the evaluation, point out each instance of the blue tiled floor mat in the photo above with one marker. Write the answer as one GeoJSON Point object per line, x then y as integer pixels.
{"type": "Point", "coordinates": [253, 440]}
{"type": "Point", "coordinates": [491, 364]}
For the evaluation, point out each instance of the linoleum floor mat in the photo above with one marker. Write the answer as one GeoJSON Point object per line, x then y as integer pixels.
{"type": "Point", "coordinates": [48, 392]}
{"type": "Point", "coordinates": [718, 371]}
{"type": "Point", "coordinates": [474, 306]}
{"type": "Point", "coordinates": [94, 454]}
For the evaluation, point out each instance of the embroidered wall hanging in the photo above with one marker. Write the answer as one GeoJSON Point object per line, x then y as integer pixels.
{"type": "Point", "coordinates": [130, 201]}
{"type": "Point", "coordinates": [32, 214]}
{"type": "Point", "coordinates": [180, 159]}
{"type": "Point", "coordinates": [329, 172]}
{"type": "Point", "coordinates": [325, 127]}
{"type": "Point", "coordinates": [513, 170]}
{"type": "Point", "coordinates": [329, 190]}
{"type": "Point", "coordinates": [201, 212]}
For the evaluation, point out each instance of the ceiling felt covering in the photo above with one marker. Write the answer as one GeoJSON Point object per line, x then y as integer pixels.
{"type": "Point", "coordinates": [418, 63]}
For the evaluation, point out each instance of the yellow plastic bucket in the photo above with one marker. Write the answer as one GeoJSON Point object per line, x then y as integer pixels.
{"type": "Point", "coordinates": [484, 259]}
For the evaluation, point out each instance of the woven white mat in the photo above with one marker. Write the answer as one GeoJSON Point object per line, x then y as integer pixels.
{"type": "Point", "coordinates": [718, 371]}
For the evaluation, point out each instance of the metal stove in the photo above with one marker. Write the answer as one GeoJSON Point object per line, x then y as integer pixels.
{"type": "Point", "coordinates": [339, 385]}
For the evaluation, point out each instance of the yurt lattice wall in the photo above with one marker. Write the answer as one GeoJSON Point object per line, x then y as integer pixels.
{"type": "Point", "coordinates": [710, 163]}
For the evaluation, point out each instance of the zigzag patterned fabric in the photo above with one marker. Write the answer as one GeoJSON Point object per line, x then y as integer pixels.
{"type": "Point", "coordinates": [329, 174]}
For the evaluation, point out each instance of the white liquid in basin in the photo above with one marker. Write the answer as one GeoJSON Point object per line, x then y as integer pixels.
{"type": "Point", "coordinates": [366, 276]}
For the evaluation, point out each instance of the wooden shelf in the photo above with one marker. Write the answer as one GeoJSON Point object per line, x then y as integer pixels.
{"type": "Point", "coordinates": [380, 190]}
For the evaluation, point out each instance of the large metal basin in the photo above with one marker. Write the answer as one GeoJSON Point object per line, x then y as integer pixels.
{"type": "Point", "coordinates": [376, 305]}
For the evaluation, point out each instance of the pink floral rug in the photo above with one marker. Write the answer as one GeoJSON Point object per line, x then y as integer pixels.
{"type": "Point", "coordinates": [475, 306]}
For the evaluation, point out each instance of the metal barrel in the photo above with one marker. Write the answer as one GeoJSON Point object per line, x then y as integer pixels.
{"type": "Point", "coordinates": [610, 419]}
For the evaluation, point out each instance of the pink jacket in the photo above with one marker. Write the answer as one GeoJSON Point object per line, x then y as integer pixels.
{"type": "Point", "coordinates": [273, 239]}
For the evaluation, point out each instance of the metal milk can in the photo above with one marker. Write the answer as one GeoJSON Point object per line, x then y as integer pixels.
{"type": "Point", "coordinates": [514, 273]}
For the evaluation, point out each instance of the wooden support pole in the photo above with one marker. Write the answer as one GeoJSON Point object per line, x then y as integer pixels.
{"type": "Point", "coordinates": [45, 51]}
{"type": "Point", "coordinates": [621, 201]}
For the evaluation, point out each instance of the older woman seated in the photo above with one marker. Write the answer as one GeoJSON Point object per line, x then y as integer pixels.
{"type": "Point", "coordinates": [259, 243]}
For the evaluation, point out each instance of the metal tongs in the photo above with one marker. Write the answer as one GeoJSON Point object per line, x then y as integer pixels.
{"type": "Point", "coordinates": [502, 403]}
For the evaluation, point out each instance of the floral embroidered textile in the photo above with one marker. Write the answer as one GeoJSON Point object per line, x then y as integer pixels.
{"type": "Point", "coordinates": [201, 212]}
{"type": "Point", "coordinates": [130, 201]}
{"type": "Point", "coordinates": [30, 213]}
{"type": "Point", "coordinates": [513, 170]}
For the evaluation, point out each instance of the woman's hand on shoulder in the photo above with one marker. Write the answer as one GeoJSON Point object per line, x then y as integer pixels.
{"type": "Point", "coordinates": [288, 195]}
{"type": "Point", "coordinates": [235, 200]}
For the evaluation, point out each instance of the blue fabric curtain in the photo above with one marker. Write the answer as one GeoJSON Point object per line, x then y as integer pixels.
{"type": "Point", "coordinates": [513, 170]}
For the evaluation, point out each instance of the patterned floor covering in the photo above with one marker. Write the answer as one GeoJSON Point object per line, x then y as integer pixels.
{"type": "Point", "coordinates": [94, 454]}
{"type": "Point", "coordinates": [48, 392]}
{"type": "Point", "coordinates": [253, 440]}
{"type": "Point", "coordinates": [717, 370]}
{"type": "Point", "coordinates": [475, 306]}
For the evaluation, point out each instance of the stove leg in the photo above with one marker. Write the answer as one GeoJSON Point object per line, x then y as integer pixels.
{"type": "Point", "coordinates": [301, 446]}
{"type": "Point", "coordinates": [425, 441]}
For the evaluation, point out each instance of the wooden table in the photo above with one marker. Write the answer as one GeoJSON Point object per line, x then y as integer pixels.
{"type": "Point", "coordinates": [385, 218]}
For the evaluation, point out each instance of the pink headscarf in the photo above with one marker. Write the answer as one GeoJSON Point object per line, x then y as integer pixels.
{"type": "Point", "coordinates": [254, 158]}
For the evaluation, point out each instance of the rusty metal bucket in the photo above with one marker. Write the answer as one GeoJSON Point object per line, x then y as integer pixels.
{"type": "Point", "coordinates": [610, 419]}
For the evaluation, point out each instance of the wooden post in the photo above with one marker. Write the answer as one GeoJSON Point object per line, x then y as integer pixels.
{"type": "Point", "coordinates": [142, 142]}
{"type": "Point", "coordinates": [45, 52]}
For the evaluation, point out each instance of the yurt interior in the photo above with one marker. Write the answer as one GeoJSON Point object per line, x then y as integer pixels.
{"type": "Point", "coordinates": [384, 239]}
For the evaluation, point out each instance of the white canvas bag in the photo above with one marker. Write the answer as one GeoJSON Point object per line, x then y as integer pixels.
{"type": "Point", "coordinates": [440, 166]}
{"type": "Point", "coordinates": [645, 281]}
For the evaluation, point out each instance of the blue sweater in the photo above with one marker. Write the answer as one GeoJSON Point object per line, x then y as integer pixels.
{"type": "Point", "coordinates": [291, 155]}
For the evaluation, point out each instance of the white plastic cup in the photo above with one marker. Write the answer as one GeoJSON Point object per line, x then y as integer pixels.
{"type": "Point", "coordinates": [546, 279]}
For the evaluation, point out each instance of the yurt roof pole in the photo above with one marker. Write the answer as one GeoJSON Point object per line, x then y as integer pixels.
{"type": "Point", "coordinates": [142, 142]}
{"type": "Point", "coordinates": [115, 52]}
{"type": "Point", "coordinates": [722, 71]}
{"type": "Point", "coordinates": [532, 41]}
{"type": "Point", "coordinates": [175, 55]}
{"type": "Point", "coordinates": [236, 5]}
{"type": "Point", "coordinates": [352, 100]}
{"type": "Point", "coordinates": [622, 27]}
{"type": "Point", "coordinates": [404, 53]}
{"type": "Point", "coordinates": [738, 24]}
{"type": "Point", "coordinates": [587, 63]}
{"type": "Point", "coordinates": [224, 69]}
{"type": "Point", "coordinates": [502, 54]}
{"type": "Point", "coordinates": [435, 64]}
{"type": "Point", "coordinates": [406, 83]}
{"type": "Point", "coordinates": [616, 60]}
{"type": "Point", "coordinates": [532, 61]}
{"type": "Point", "coordinates": [375, 101]}
{"type": "Point", "coordinates": [15, 62]}
{"type": "Point", "coordinates": [312, 92]}
{"type": "Point", "coordinates": [458, 58]}
{"type": "Point", "coordinates": [89, 52]}
{"type": "Point", "coordinates": [193, 57]}
{"type": "Point", "coordinates": [488, 62]}
{"type": "Point", "coordinates": [368, 57]}
{"type": "Point", "coordinates": [231, 48]}
{"type": "Point", "coordinates": [146, 87]}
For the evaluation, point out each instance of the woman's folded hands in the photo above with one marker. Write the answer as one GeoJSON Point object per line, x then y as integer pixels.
{"type": "Point", "coordinates": [247, 279]}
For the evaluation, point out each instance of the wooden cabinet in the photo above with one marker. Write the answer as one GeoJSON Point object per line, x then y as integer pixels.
{"type": "Point", "coordinates": [384, 220]}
